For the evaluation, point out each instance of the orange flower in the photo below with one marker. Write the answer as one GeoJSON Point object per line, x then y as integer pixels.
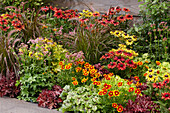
{"type": "Point", "coordinates": [86, 65]}
{"type": "Point", "coordinates": [120, 84]}
{"type": "Point", "coordinates": [73, 78]}
{"type": "Point", "coordinates": [114, 105]}
{"type": "Point", "coordinates": [116, 92]}
{"type": "Point", "coordinates": [120, 108]}
{"type": "Point", "coordinates": [67, 67]}
{"type": "Point", "coordinates": [93, 79]}
{"type": "Point", "coordinates": [110, 74]}
{"type": "Point", "coordinates": [147, 67]}
{"type": "Point", "coordinates": [91, 67]}
{"type": "Point", "coordinates": [107, 86]}
{"type": "Point", "coordinates": [146, 61]}
{"type": "Point", "coordinates": [81, 62]}
{"type": "Point", "coordinates": [78, 69]}
{"type": "Point", "coordinates": [97, 75]}
{"type": "Point", "coordinates": [140, 63]}
{"type": "Point", "coordinates": [131, 89]}
{"type": "Point", "coordinates": [84, 80]}
{"type": "Point", "coordinates": [100, 92]}
{"type": "Point", "coordinates": [62, 67]}
{"type": "Point", "coordinates": [86, 73]}
{"type": "Point", "coordinates": [93, 71]}
{"type": "Point", "coordinates": [145, 74]}
{"type": "Point", "coordinates": [97, 83]}
{"type": "Point", "coordinates": [129, 82]}
{"type": "Point", "coordinates": [136, 78]}
{"type": "Point", "coordinates": [110, 93]}
{"type": "Point", "coordinates": [75, 82]}
{"type": "Point", "coordinates": [137, 91]}
{"type": "Point", "coordinates": [135, 66]}
{"type": "Point", "coordinates": [61, 63]}
{"type": "Point", "coordinates": [158, 63]}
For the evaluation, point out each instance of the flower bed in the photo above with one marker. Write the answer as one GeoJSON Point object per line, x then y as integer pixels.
{"type": "Point", "coordinates": [85, 61]}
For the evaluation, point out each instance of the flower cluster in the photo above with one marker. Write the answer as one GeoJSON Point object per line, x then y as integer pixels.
{"type": "Point", "coordinates": [118, 60]}
{"type": "Point", "coordinates": [117, 91]}
{"type": "Point", "coordinates": [129, 40]}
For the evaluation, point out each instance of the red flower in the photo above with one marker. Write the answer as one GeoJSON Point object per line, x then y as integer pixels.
{"type": "Point", "coordinates": [165, 82]}
{"type": "Point", "coordinates": [119, 58]}
{"type": "Point", "coordinates": [131, 89]}
{"type": "Point", "coordinates": [118, 9]}
{"type": "Point", "coordinates": [100, 92]}
{"type": "Point", "coordinates": [112, 12]}
{"type": "Point", "coordinates": [121, 18]}
{"type": "Point", "coordinates": [137, 91]}
{"type": "Point", "coordinates": [157, 85]}
{"type": "Point", "coordinates": [4, 28]}
{"type": "Point", "coordinates": [120, 108]}
{"type": "Point", "coordinates": [130, 63]}
{"type": "Point", "coordinates": [96, 14]}
{"type": "Point", "coordinates": [104, 92]}
{"type": "Point", "coordinates": [83, 20]}
{"type": "Point", "coordinates": [107, 86]}
{"type": "Point", "coordinates": [58, 14]}
{"type": "Point", "coordinates": [119, 52]}
{"type": "Point", "coordinates": [129, 82]}
{"type": "Point", "coordinates": [114, 105]}
{"type": "Point", "coordinates": [136, 78]}
{"type": "Point", "coordinates": [107, 55]}
{"type": "Point", "coordinates": [116, 93]}
{"type": "Point", "coordinates": [111, 65]}
{"type": "Point", "coordinates": [3, 21]}
{"type": "Point", "coordinates": [121, 66]}
{"type": "Point", "coordinates": [166, 96]}
{"type": "Point", "coordinates": [19, 27]}
{"type": "Point", "coordinates": [126, 10]}
{"type": "Point", "coordinates": [127, 53]}
{"type": "Point", "coordinates": [129, 17]}
{"type": "Point", "coordinates": [115, 23]}
{"type": "Point", "coordinates": [103, 23]}
{"type": "Point", "coordinates": [45, 8]}
{"type": "Point", "coordinates": [15, 22]}
{"type": "Point", "coordinates": [158, 63]}
{"type": "Point", "coordinates": [110, 93]}
{"type": "Point", "coordinates": [120, 84]}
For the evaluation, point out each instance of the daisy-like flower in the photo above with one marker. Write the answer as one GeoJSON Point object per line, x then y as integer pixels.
{"type": "Point", "coordinates": [100, 92]}
{"type": "Point", "coordinates": [89, 14]}
{"type": "Point", "coordinates": [166, 96]}
{"type": "Point", "coordinates": [107, 86]}
{"type": "Point", "coordinates": [86, 73]}
{"type": "Point", "coordinates": [119, 58]}
{"type": "Point", "coordinates": [129, 62]}
{"type": "Point", "coordinates": [131, 89]}
{"type": "Point", "coordinates": [93, 71]}
{"type": "Point", "coordinates": [112, 12]}
{"type": "Point", "coordinates": [75, 82]}
{"type": "Point", "coordinates": [137, 91]}
{"type": "Point", "coordinates": [116, 93]}
{"type": "Point", "coordinates": [67, 67]}
{"type": "Point", "coordinates": [115, 23]}
{"type": "Point", "coordinates": [84, 20]}
{"type": "Point", "coordinates": [129, 82]}
{"type": "Point", "coordinates": [134, 38]}
{"type": "Point", "coordinates": [118, 9]}
{"type": "Point", "coordinates": [85, 11]}
{"type": "Point", "coordinates": [166, 76]}
{"type": "Point", "coordinates": [96, 14]}
{"type": "Point", "coordinates": [78, 69]}
{"type": "Point", "coordinates": [111, 94]}
{"type": "Point", "coordinates": [93, 79]}
{"type": "Point", "coordinates": [136, 78]}
{"type": "Point", "coordinates": [165, 82]}
{"type": "Point", "coordinates": [111, 65]}
{"type": "Point", "coordinates": [129, 17]}
{"type": "Point", "coordinates": [121, 18]}
{"type": "Point", "coordinates": [86, 65]}
{"type": "Point", "coordinates": [45, 8]}
{"type": "Point", "coordinates": [158, 63]}
{"type": "Point", "coordinates": [19, 27]}
{"type": "Point", "coordinates": [125, 35]}
{"type": "Point", "coordinates": [150, 77]}
{"type": "Point", "coordinates": [150, 71]}
{"type": "Point", "coordinates": [121, 66]}
{"type": "Point", "coordinates": [140, 63]}
{"type": "Point", "coordinates": [114, 105]}
{"type": "Point", "coordinates": [4, 28]}
{"type": "Point", "coordinates": [126, 10]}
{"type": "Point", "coordinates": [104, 92]}
{"type": "Point", "coordinates": [58, 14]}
{"type": "Point", "coordinates": [135, 66]}
{"type": "Point", "coordinates": [3, 21]}
{"type": "Point", "coordinates": [103, 23]}
{"type": "Point", "coordinates": [129, 41]}
{"type": "Point", "coordinates": [120, 108]}
{"type": "Point", "coordinates": [118, 52]}
{"type": "Point", "coordinates": [73, 78]}
{"type": "Point", "coordinates": [62, 67]}
{"type": "Point", "coordinates": [116, 33]}
{"type": "Point", "coordinates": [84, 80]}
{"type": "Point", "coordinates": [157, 85]}
{"type": "Point", "coordinates": [120, 84]}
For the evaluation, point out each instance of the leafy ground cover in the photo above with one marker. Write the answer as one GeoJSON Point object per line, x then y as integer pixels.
{"type": "Point", "coordinates": [85, 61]}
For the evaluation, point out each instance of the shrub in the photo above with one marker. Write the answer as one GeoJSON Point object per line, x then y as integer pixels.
{"type": "Point", "coordinates": [39, 67]}
{"type": "Point", "coordinates": [142, 104]}
{"type": "Point", "coordinates": [115, 91]}
{"type": "Point", "coordinates": [50, 98]}
{"type": "Point", "coordinates": [82, 99]}
{"type": "Point", "coordinates": [7, 86]}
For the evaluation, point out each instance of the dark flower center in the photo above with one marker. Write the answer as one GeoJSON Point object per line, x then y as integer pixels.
{"type": "Point", "coordinates": [150, 70]}
{"type": "Point", "coordinates": [130, 62]}
{"type": "Point", "coordinates": [117, 33]}
{"type": "Point", "coordinates": [166, 75]}
{"type": "Point", "coordinates": [121, 17]}
{"type": "Point", "coordinates": [125, 34]}
{"type": "Point", "coordinates": [103, 22]}
{"type": "Point", "coordinates": [18, 26]}
{"type": "Point", "coordinates": [121, 65]}
{"type": "Point", "coordinates": [157, 84]}
{"type": "Point", "coordinates": [59, 14]}
{"type": "Point", "coordinates": [4, 27]}
{"type": "Point", "coordinates": [150, 76]}
{"type": "Point", "coordinates": [129, 16]}
{"type": "Point", "coordinates": [119, 51]}
{"type": "Point", "coordinates": [167, 95]}
{"type": "Point", "coordinates": [119, 57]}
{"type": "Point", "coordinates": [3, 20]}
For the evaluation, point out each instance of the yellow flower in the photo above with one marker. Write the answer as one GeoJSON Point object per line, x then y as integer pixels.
{"type": "Point", "coordinates": [150, 71]}
{"type": "Point", "coordinates": [134, 38]}
{"type": "Point", "coordinates": [78, 69]}
{"type": "Point", "coordinates": [166, 75]}
{"type": "Point", "coordinates": [129, 41]}
{"type": "Point", "coordinates": [30, 54]}
{"type": "Point", "coordinates": [125, 35]}
{"type": "Point", "coordinates": [116, 33]}
{"type": "Point", "coordinates": [84, 80]}
{"type": "Point", "coordinates": [73, 78]}
{"type": "Point", "coordinates": [89, 14]}
{"type": "Point", "coordinates": [122, 46]}
{"type": "Point", "coordinates": [75, 82]}
{"type": "Point", "coordinates": [150, 77]}
{"type": "Point", "coordinates": [85, 11]}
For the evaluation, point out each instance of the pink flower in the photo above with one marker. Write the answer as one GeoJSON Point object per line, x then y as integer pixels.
{"type": "Point", "coordinates": [121, 66]}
